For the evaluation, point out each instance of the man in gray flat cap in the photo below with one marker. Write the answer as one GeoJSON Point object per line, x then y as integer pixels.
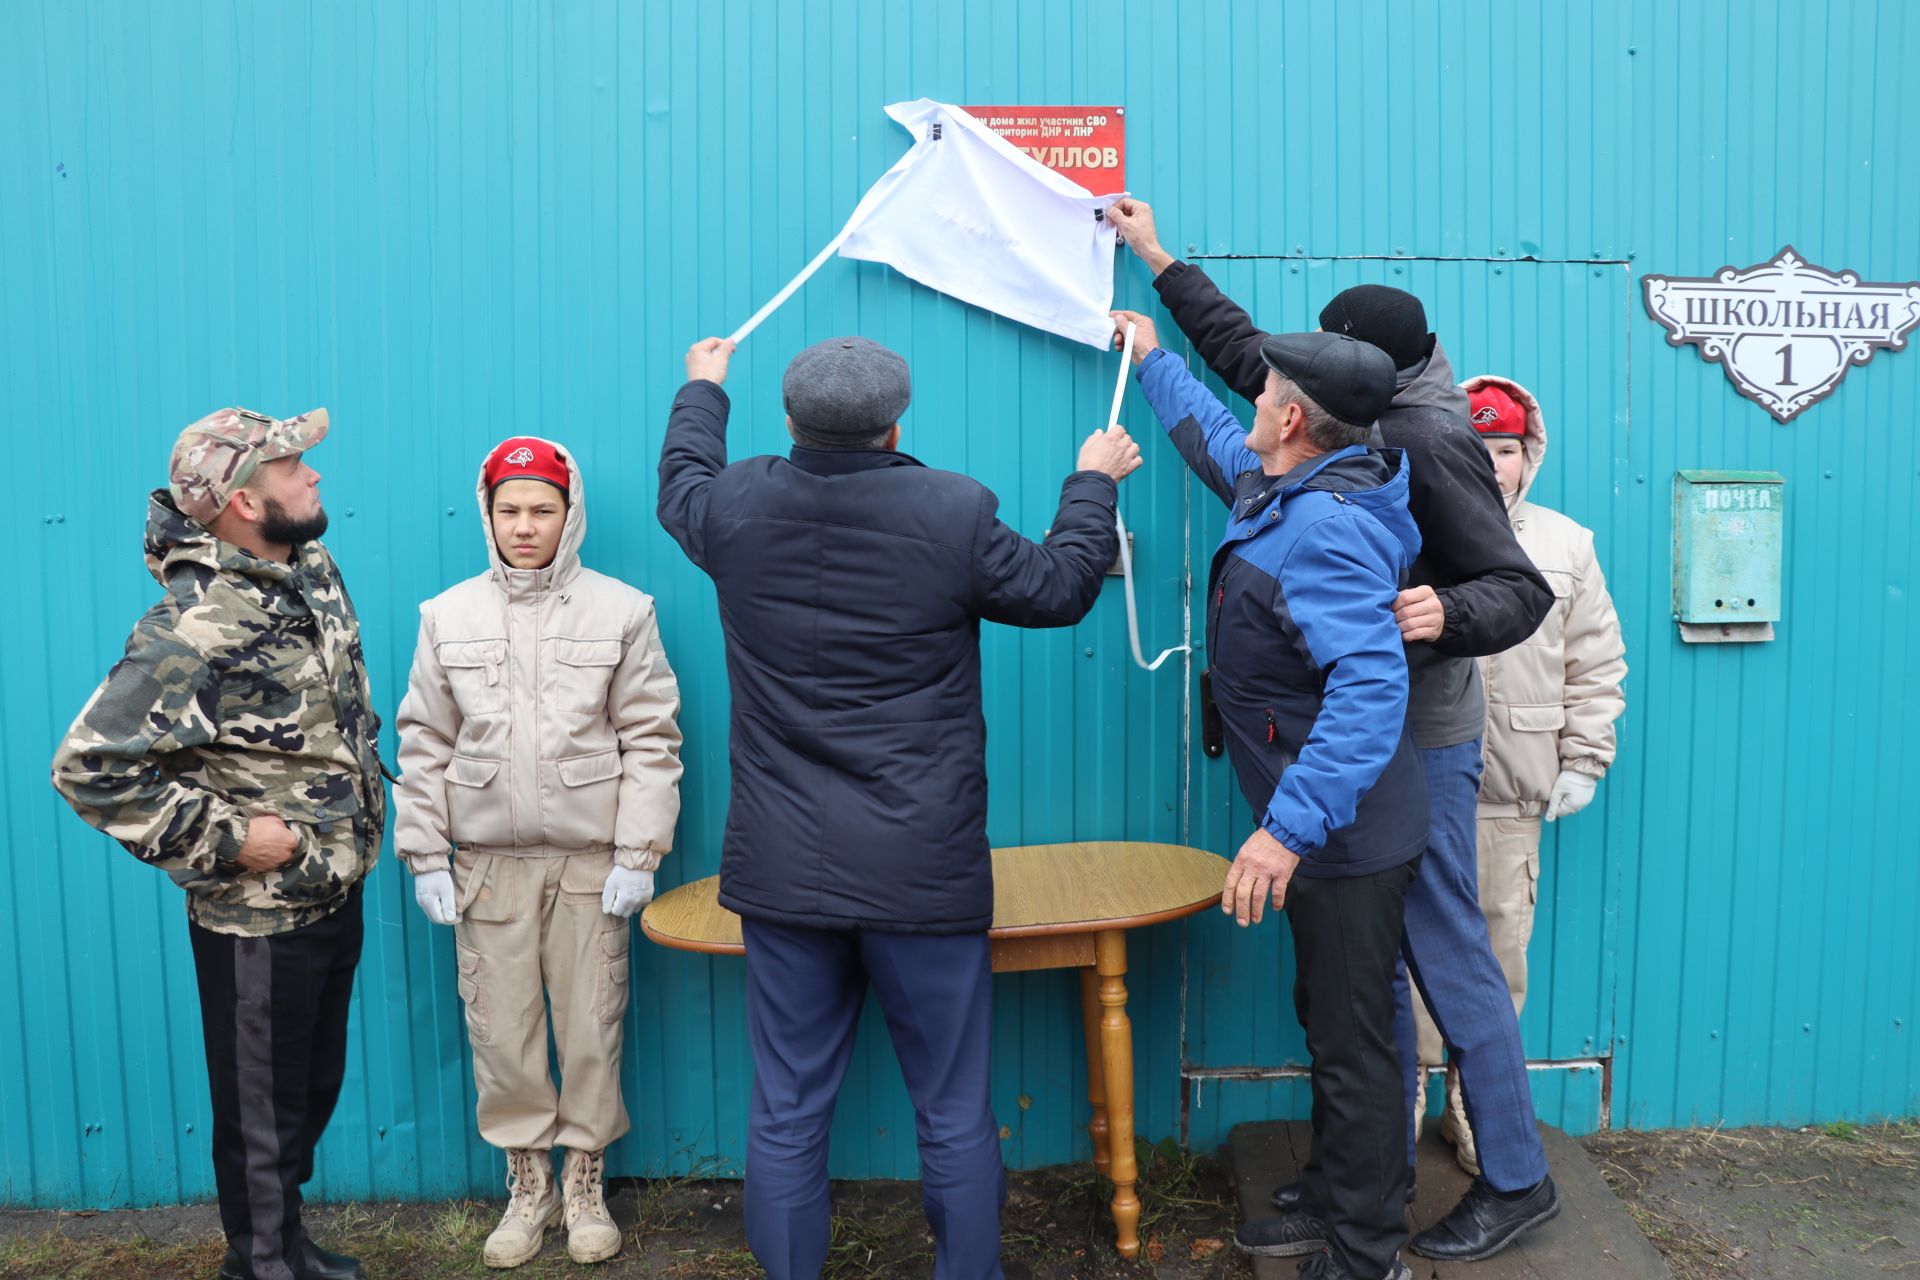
{"type": "Point", "coordinates": [852, 582]}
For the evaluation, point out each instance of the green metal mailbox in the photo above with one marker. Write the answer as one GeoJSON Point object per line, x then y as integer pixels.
{"type": "Point", "coordinates": [1729, 534]}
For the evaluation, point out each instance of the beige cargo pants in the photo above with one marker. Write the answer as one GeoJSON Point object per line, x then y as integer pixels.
{"type": "Point", "coordinates": [531, 930]}
{"type": "Point", "coordinates": [1508, 850]}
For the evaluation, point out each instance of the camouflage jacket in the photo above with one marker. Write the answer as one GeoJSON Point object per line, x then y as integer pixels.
{"type": "Point", "coordinates": [243, 692]}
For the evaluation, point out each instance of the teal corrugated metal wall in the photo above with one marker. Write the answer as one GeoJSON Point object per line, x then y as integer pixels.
{"type": "Point", "coordinates": [451, 222]}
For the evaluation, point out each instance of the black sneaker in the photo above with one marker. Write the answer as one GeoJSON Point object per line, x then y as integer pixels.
{"type": "Point", "coordinates": [1287, 1236]}
{"type": "Point", "coordinates": [1483, 1224]}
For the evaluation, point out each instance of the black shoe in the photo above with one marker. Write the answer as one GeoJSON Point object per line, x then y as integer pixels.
{"type": "Point", "coordinates": [1321, 1266]}
{"type": "Point", "coordinates": [1016, 1271]}
{"type": "Point", "coordinates": [1483, 1224]}
{"type": "Point", "coordinates": [1293, 1233]}
{"type": "Point", "coordinates": [315, 1261]}
{"type": "Point", "coordinates": [1292, 1195]}
{"type": "Point", "coordinates": [322, 1265]}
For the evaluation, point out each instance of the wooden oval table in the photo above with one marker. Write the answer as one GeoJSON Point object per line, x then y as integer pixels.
{"type": "Point", "coordinates": [1055, 906]}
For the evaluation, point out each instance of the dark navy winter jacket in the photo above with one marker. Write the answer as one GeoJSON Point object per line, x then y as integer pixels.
{"type": "Point", "coordinates": [1308, 671]}
{"type": "Point", "coordinates": [852, 584]}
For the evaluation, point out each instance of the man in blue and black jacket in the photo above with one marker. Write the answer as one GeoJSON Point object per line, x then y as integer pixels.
{"type": "Point", "coordinates": [1310, 679]}
{"type": "Point", "coordinates": [852, 582]}
{"type": "Point", "coordinates": [1473, 592]}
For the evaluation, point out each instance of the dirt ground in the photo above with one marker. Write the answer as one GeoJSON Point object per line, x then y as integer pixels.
{"type": "Point", "coordinates": [1056, 1222]}
{"type": "Point", "coordinates": [1838, 1203]}
{"type": "Point", "coordinates": [1833, 1203]}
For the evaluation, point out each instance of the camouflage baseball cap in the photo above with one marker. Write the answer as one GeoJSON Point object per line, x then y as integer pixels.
{"type": "Point", "coordinates": [219, 453]}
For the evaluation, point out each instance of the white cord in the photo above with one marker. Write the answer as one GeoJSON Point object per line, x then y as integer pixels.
{"type": "Point", "coordinates": [1126, 553]}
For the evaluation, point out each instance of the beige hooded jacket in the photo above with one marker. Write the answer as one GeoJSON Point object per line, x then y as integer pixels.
{"type": "Point", "coordinates": [540, 715]}
{"type": "Point", "coordinates": [1552, 700]}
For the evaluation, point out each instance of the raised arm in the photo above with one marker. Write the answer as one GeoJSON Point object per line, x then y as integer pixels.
{"type": "Point", "coordinates": [695, 450]}
{"type": "Point", "coordinates": [1222, 334]}
{"type": "Point", "coordinates": [1208, 436]}
{"type": "Point", "coordinates": [1055, 583]}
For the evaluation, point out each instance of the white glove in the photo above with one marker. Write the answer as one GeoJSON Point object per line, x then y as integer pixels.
{"type": "Point", "coordinates": [434, 892]}
{"type": "Point", "coordinates": [1572, 792]}
{"type": "Point", "coordinates": [626, 892]}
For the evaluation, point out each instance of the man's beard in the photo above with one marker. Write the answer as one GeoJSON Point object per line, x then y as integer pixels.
{"type": "Point", "coordinates": [276, 526]}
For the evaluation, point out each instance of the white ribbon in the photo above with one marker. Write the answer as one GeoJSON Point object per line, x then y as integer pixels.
{"type": "Point", "coordinates": [1126, 554]}
{"type": "Point", "coordinates": [876, 194]}
{"type": "Point", "coordinates": [773, 303]}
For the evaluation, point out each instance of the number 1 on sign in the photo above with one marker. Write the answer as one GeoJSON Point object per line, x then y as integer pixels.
{"type": "Point", "coordinates": [1786, 366]}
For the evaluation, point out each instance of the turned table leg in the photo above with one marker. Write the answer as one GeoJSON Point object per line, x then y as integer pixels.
{"type": "Point", "coordinates": [1096, 1073]}
{"type": "Point", "coordinates": [1116, 1054]}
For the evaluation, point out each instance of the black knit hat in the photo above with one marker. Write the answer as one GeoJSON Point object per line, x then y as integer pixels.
{"type": "Point", "coordinates": [1391, 319]}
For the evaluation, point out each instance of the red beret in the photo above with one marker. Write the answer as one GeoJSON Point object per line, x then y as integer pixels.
{"type": "Point", "coordinates": [525, 458]}
{"type": "Point", "coordinates": [1495, 413]}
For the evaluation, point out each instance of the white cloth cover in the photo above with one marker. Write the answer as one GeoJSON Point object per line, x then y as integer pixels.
{"type": "Point", "coordinates": [969, 214]}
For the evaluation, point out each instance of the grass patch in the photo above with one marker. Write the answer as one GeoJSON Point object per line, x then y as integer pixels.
{"type": "Point", "coordinates": [50, 1254]}
{"type": "Point", "coordinates": [712, 1264]}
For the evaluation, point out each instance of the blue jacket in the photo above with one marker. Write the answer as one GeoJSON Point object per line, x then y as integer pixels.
{"type": "Point", "coordinates": [1308, 670]}
{"type": "Point", "coordinates": [852, 584]}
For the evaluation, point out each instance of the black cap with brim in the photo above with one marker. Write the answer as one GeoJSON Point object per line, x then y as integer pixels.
{"type": "Point", "coordinates": [1350, 379]}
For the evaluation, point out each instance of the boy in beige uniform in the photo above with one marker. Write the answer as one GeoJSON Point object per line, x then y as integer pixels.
{"type": "Point", "coordinates": [541, 766]}
{"type": "Point", "coordinates": [1551, 704]}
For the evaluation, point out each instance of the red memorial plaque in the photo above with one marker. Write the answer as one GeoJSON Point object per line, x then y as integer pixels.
{"type": "Point", "coordinates": [1086, 144]}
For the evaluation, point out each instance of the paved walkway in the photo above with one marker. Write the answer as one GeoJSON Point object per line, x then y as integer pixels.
{"type": "Point", "coordinates": [1594, 1236]}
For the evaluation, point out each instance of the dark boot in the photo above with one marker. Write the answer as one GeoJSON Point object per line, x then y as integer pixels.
{"type": "Point", "coordinates": [323, 1265]}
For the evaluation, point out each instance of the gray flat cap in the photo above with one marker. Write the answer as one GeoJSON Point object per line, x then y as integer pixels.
{"type": "Point", "coordinates": [848, 389]}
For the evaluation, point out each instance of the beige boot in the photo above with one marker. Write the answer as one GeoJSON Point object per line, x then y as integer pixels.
{"type": "Point", "coordinates": [1455, 1129]}
{"type": "Point", "coordinates": [1419, 1100]}
{"type": "Point", "coordinates": [533, 1208]}
{"type": "Point", "coordinates": [591, 1235]}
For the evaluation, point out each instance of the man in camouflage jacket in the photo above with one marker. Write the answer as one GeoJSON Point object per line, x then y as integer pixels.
{"type": "Point", "coordinates": [234, 748]}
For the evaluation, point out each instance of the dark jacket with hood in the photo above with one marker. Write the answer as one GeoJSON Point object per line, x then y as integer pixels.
{"type": "Point", "coordinates": [1493, 596]}
{"type": "Point", "coordinates": [852, 583]}
{"type": "Point", "coordinates": [1308, 671]}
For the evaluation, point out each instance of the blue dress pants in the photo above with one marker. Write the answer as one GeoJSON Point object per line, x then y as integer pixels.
{"type": "Point", "coordinates": [805, 987]}
{"type": "Point", "coordinates": [1448, 954]}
